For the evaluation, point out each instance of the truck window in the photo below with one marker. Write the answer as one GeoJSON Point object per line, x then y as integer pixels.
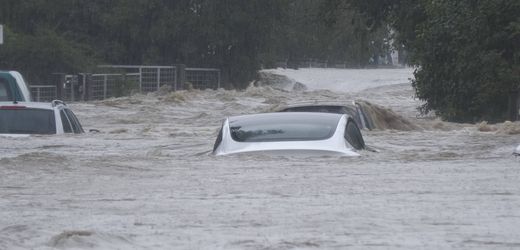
{"type": "Point", "coordinates": [76, 126]}
{"type": "Point", "coordinates": [67, 128]}
{"type": "Point", "coordinates": [27, 121]}
{"type": "Point", "coordinates": [5, 91]}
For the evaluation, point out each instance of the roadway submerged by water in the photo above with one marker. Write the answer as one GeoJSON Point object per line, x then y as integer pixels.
{"type": "Point", "coordinates": [148, 179]}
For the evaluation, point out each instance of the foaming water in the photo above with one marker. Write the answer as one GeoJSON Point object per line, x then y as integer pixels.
{"type": "Point", "coordinates": [74, 239]}
{"type": "Point", "coordinates": [148, 179]}
{"type": "Point", "coordinates": [381, 118]}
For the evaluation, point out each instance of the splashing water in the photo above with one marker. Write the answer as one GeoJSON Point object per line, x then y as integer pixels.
{"type": "Point", "coordinates": [149, 181]}
{"type": "Point", "coordinates": [382, 118]}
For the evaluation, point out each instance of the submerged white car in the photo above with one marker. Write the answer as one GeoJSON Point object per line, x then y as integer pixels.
{"type": "Point", "coordinates": [290, 133]}
{"type": "Point", "coordinates": [27, 118]}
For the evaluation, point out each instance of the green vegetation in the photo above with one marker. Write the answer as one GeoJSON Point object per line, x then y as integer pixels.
{"type": "Point", "coordinates": [466, 52]}
{"type": "Point", "coordinates": [237, 36]}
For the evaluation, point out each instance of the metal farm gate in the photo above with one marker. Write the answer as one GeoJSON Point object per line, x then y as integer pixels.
{"type": "Point", "coordinates": [149, 78]}
{"type": "Point", "coordinates": [119, 80]}
{"type": "Point", "coordinates": [43, 93]}
{"type": "Point", "coordinates": [203, 78]}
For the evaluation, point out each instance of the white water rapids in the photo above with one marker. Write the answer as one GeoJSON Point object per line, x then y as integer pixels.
{"type": "Point", "coordinates": [149, 181]}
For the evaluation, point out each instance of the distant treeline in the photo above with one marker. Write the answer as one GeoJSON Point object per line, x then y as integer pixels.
{"type": "Point", "coordinates": [466, 52]}
{"type": "Point", "coordinates": [237, 36]}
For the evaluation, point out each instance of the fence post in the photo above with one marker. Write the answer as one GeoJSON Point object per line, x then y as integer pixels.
{"type": "Point", "coordinates": [83, 86]}
{"type": "Point", "coordinates": [87, 83]}
{"type": "Point", "coordinates": [218, 80]}
{"type": "Point", "coordinates": [72, 86]}
{"type": "Point", "coordinates": [38, 94]}
{"type": "Point", "coordinates": [59, 79]}
{"type": "Point", "coordinates": [140, 79]}
{"type": "Point", "coordinates": [513, 105]}
{"type": "Point", "coordinates": [125, 85]}
{"type": "Point", "coordinates": [105, 87]}
{"type": "Point", "coordinates": [158, 78]}
{"type": "Point", "coordinates": [181, 76]}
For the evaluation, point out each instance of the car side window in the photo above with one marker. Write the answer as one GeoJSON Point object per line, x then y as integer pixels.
{"type": "Point", "coordinates": [67, 128]}
{"type": "Point", "coordinates": [5, 91]}
{"type": "Point", "coordinates": [353, 135]}
{"type": "Point", "coordinates": [76, 126]}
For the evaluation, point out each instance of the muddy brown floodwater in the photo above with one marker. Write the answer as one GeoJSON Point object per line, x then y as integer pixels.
{"type": "Point", "coordinates": [148, 180]}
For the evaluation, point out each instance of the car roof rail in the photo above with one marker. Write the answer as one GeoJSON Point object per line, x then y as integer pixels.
{"type": "Point", "coordinates": [58, 102]}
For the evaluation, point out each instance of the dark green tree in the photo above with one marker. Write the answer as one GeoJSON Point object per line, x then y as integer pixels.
{"type": "Point", "coordinates": [239, 37]}
{"type": "Point", "coordinates": [468, 58]}
{"type": "Point", "coordinates": [72, 35]}
{"type": "Point", "coordinates": [466, 53]}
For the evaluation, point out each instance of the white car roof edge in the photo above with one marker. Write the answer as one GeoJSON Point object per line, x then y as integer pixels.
{"type": "Point", "coordinates": [24, 88]}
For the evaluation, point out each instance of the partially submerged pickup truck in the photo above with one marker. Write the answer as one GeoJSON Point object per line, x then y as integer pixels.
{"type": "Point", "coordinates": [22, 119]}
{"type": "Point", "coordinates": [13, 87]}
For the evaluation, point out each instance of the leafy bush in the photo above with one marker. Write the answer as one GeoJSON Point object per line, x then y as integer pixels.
{"type": "Point", "coordinates": [468, 57]}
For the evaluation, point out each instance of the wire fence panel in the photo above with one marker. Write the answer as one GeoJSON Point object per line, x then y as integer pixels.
{"type": "Point", "coordinates": [151, 78]}
{"type": "Point", "coordinates": [167, 76]}
{"type": "Point", "coordinates": [121, 80]}
{"type": "Point", "coordinates": [150, 81]}
{"type": "Point", "coordinates": [43, 93]}
{"type": "Point", "coordinates": [98, 86]}
{"type": "Point", "coordinates": [110, 85]}
{"type": "Point", "coordinates": [202, 78]}
{"type": "Point", "coordinates": [133, 81]}
{"type": "Point", "coordinates": [104, 86]}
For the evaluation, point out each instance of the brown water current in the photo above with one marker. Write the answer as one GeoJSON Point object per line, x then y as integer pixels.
{"type": "Point", "coordinates": [148, 180]}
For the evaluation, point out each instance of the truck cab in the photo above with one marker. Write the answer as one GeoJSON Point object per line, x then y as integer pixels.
{"type": "Point", "coordinates": [22, 119]}
{"type": "Point", "coordinates": [13, 87]}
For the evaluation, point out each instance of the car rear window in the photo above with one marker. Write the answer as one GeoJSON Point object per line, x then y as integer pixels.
{"type": "Point", "coordinates": [280, 128]}
{"type": "Point", "coordinates": [323, 109]}
{"type": "Point", "coordinates": [27, 121]}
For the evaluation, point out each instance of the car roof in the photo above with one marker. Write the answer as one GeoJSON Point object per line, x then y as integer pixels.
{"type": "Point", "coordinates": [345, 108]}
{"type": "Point", "coordinates": [282, 115]}
{"type": "Point", "coordinates": [332, 144]}
{"type": "Point", "coordinates": [38, 105]}
{"type": "Point", "coordinates": [320, 103]}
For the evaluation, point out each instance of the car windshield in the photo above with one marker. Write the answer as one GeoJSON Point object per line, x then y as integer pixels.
{"type": "Point", "coordinates": [27, 121]}
{"type": "Point", "coordinates": [283, 128]}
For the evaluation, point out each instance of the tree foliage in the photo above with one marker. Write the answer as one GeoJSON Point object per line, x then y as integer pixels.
{"type": "Point", "coordinates": [72, 35]}
{"type": "Point", "coordinates": [335, 31]}
{"type": "Point", "coordinates": [236, 36]}
{"type": "Point", "coordinates": [467, 52]}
